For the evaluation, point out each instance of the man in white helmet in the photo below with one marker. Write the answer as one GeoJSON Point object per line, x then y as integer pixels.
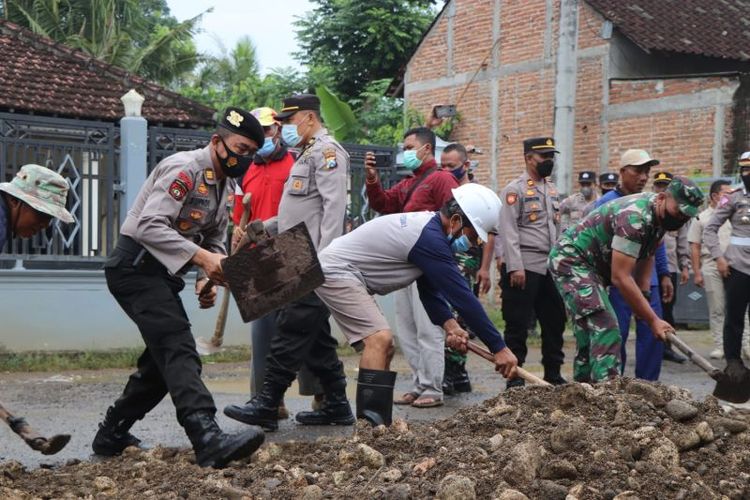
{"type": "Point", "coordinates": [390, 253]}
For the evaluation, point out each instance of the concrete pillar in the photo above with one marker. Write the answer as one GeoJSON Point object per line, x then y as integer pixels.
{"type": "Point", "coordinates": [565, 93]}
{"type": "Point", "coordinates": [133, 166]}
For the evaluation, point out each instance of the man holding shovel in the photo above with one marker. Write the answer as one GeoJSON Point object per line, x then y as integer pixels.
{"type": "Point", "coordinates": [615, 245]}
{"type": "Point", "coordinates": [178, 220]}
{"type": "Point", "coordinates": [27, 206]}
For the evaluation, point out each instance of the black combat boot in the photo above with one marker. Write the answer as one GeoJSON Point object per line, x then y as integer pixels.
{"type": "Point", "coordinates": [334, 411]}
{"type": "Point", "coordinates": [552, 375]}
{"type": "Point", "coordinates": [461, 381]}
{"type": "Point", "coordinates": [449, 373]}
{"type": "Point", "coordinates": [375, 396]}
{"type": "Point", "coordinates": [113, 436]}
{"type": "Point", "coordinates": [214, 448]}
{"type": "Point", "coordinates": [262, 409]}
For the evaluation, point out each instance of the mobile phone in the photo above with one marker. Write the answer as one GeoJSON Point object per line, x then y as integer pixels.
{"type": "Point", "coordinates": [444, 111]}
{"type": "Point", "coordinates": [382, 160]}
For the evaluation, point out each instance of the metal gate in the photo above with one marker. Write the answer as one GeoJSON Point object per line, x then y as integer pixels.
{"type": "Point", "coordinates": [84, 152]}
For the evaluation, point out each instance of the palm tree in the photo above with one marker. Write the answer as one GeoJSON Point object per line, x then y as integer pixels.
{"type": "Point", "coordinates": [138, 35]}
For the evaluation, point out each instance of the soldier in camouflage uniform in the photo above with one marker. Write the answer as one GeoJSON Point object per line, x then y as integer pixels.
{"type": "Point", "coordinates": [572, 207]}
{"type": "Point", "coordinates": [606, 248]}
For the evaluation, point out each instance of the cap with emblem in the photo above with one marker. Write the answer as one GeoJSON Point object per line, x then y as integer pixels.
{"type": "Point", "coordinates": [744, 160]}
{"type": "Point", "coordinates": [608, 178]}
{"type": "Point", "coordinates": [240, 122]}
{"type": "Point", "coordinates": [265, 116]}
{"type": "Point", "coordinates": [663, 178]}
{"type": "Point", "coordinates": [687, 194]}
{"type": "Point", "coordinates": [587, 176]}
{"type": "Point", "coordinates": [539, 145]}
{"type": "Point", "coordinates": [298, 102]}
{"type": "Point", "coordinates": [637, 158]}
{"type": "Point", "coordinates": [42, 189]}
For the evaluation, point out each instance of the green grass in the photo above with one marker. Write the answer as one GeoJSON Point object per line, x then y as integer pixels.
{"type": "Point", "coordinates": [37, 361]}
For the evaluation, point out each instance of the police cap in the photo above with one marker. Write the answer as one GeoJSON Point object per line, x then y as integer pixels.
{"type": "Point", "coordinates": [663, 178]}
{"type": "Point", "coordinates": [240, 122]}
{"type": "Point", "coordinates": [587, 176]}
{"type": "Point", "coordinates": [298, 102]}
{"type": "Point", "coordinates": [608, 178]}
{"type": "Point", "coordinates": [539, 145]}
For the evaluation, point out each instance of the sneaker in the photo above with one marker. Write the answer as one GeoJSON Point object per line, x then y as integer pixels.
{"type": "Point", "coordinates": [716, 354]}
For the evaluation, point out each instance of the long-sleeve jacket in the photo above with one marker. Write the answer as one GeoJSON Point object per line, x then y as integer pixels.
{"type": "Point", "coordinates": [431, 194]}
{"type": "Point", "coordinates": [736, 209]}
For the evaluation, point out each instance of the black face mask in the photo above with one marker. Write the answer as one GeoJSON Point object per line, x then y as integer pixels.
{"type": "Point", "coordinates": [671, 223]}
{"type": "Point", "coordinates": [234, 165]}
{"type": "Point", "coordinates": [746, 181]}
{"type": "Point", "coordinates": [605, 191]}
{"type": "Point", "coordinates": [544, 169]}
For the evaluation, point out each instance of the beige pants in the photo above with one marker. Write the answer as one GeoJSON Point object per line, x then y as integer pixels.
{"type": "Point", "coordinates": [422, 343]}
{"type": "Point", "coordinates": [714, 285]}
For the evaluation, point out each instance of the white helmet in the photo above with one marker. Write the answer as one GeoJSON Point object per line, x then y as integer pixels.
{"type": "Point", "coordinates": [481, 205]}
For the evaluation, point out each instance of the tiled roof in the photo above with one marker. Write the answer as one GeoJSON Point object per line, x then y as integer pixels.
{"type": "Point", "coordinates": [714, 28]}
{"type": "Point", "coordinates": [47, 78]}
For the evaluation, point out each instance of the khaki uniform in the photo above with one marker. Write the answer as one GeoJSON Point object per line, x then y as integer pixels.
{"type": "Point", "coordinates": [735, 208]}
{"type": "Point", "coordinates": [572, 210]}
{"type": "Point", "coordinates": [180, 209]}
{"type": "Point", "coordinates": [529, 224]}
{"type": "Point", "coordinates": [678, 251]}
{"type": "Point", "coordinates": [315, 192]}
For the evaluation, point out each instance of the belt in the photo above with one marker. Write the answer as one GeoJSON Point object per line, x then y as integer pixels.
{"type": "Point", "coordinates": [740, 241]}
{"type": "Point", "coordinates": [137, 256]}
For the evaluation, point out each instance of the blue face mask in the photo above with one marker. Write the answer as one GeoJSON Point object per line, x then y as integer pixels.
{"type": "Point", "coordinates": [458, 172]}
{"type": "Point", "coordinates": [268, 147]}
{"type": "Point", "coordinates": [459, 244]}
{"type": "Point", "coordinates": [411, 161]}
{"type": "Point", "coordinates": [289, 135]}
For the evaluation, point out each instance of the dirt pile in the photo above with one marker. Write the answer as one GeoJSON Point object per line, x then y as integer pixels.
{"type": "Point", "coordinates": [625, 440]}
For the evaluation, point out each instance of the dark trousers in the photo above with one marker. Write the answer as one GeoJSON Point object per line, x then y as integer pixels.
{"type": "Point", "coordinates": [737, 297]}
{"type": "Point", "coordinates": [668, 307]}
{"type": "Point", "coordinates": [170, 363]}
{"type": "Point", "coordinates": [540, 296]}
{"type": "Point", "coordinates": [304, 336]}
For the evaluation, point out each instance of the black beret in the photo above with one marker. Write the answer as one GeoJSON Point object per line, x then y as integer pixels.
{"type": "Point", "coordinates": [298, 102]}
{"type": "Point", "coordinates": [240, 122]}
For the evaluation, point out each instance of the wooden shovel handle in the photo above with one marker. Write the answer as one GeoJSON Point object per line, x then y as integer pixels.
{"type": "Point", "coordinates": [688, 351]}
{"type": "Point", "coordinates": [528, 377]}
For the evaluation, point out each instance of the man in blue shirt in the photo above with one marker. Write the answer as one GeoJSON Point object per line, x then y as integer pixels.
{"type": "Point", "coordinates": [634, 173]}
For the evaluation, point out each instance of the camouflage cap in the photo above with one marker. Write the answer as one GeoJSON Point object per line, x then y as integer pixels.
{"type": "Point", "coordinates": [41, 189]}
{"type": "Point", "coordinates": [687, 194]}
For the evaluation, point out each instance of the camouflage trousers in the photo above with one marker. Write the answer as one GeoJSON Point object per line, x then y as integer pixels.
{"type": "Point", "coordinates": [594, 320]}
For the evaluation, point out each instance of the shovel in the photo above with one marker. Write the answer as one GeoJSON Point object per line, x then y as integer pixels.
{"type": "Point", "coordinates": [36, 442]}
{"type": "Point", "coordinates": [734, 391]}
{"type": "Point", "coordinates": [528, 377]}
{"type": "Point", "coordinates": [207, 347]}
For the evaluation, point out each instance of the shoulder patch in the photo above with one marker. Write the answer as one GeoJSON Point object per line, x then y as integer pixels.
{"type": "Point", "coordinates": [329, 154]}
{"type": "Point", "coordinates": [511, 198]}
{"type": "Point", "coordinates": [186, 178]}
{"type": "Point", "coordinates": [178, 189]}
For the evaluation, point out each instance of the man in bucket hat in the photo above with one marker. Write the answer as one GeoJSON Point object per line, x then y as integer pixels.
{"type": "Point", "coordinates": [30, 201]}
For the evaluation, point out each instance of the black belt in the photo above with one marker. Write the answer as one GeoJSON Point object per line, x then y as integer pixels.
{"type": "Point", "coordinates": [136, 255]}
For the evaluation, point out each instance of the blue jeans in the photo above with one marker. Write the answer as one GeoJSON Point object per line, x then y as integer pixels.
{"type": "Point", "coordinates": [648, 349]}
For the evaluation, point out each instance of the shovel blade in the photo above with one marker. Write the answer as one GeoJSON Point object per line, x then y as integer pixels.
{"type": "Point", "coordinates": [733, 390]}
{"type": "Point", "coordinates": [49, 446]}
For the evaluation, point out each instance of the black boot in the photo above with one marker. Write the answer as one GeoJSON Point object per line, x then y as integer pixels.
{"type": "Point", "coordinates": [262, 409]}
{"type": "Point", "coordinates": [449, 373]}
{"type": "Point", "coordinates": [671, 355]}
{"type": "Point", "coordinates": [214, 448]}
{"type": "Point", "coordinates": [113, 436]}
{"type": "Point", "coordinates": [461, 381]}
{"type": "Point", "coordinates": [375, 396]}
{"type": "Point", "coordinates": [552, 375]}
{"type": "Point", "coordinates": [335, 409]}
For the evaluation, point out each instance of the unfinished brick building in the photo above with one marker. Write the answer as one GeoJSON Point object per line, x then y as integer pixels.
{"type": "Point", "coordinates": [601, 75]}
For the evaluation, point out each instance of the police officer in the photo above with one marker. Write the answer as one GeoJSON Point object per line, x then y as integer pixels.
{"type": "Point", "coordinates": [571, 209]}
{"type": "Point", "coordinates": [616, 246]}
{"type": "Point", "coordinates": [607, 183]}
{"type": "Point", "coordinates": [529, 224]}
{"type": "Point", "coordinates": [678, 259]}
{"type": "Point", "coordinates": [178, 219]}
{"type": "Point", "coordinates": [734, 264]}
{"type": "Point", "coordinates": [315, 194]}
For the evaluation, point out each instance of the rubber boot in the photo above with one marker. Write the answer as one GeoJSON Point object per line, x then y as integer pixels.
{"type": "Point", "coordinates": [552, 375]}
{"type": "Point", "coordinates": [461, 381]}
{"type": "Point", "coordinates": [262, 409]}
{"type": "Point", "coordinates": [449, 373]}
{"type": "Point", "coordinates": [375, 396]}
{"type": "Point", "coordinates": [214, 448]}
{"type": "Point", "coordinates": [335, 409]}
{"type": "Point", "coordinates": [113, 436]}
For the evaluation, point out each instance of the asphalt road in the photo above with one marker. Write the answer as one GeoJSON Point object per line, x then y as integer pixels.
{"type": "Point", "coordinates": [74, 402]}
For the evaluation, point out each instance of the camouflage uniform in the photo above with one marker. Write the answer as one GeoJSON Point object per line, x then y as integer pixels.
{"type": "Point", "coordinates": [469, 264]}
{"type": "Point", "coordinates": [581, 263]}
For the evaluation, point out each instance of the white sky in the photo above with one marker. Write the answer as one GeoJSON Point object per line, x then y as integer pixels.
{"type": "Point", "coordinates": [267, 22]}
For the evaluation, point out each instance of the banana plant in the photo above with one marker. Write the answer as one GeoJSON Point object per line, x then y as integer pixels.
{"type": "Point", "coordinates": [337, 115]}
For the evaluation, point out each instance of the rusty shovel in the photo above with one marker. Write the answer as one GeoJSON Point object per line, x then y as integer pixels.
{"type": "Point", "coordinates": [47, 446]}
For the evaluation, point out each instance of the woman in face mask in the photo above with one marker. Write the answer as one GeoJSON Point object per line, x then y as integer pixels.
{"type": "Point", "coordinates": [264, 180]}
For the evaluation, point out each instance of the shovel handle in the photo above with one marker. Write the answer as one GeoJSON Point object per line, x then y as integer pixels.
{"type": "Point", "coordinates": [691, 354]}
{"type": "Point", "coordinates": [528, 377]}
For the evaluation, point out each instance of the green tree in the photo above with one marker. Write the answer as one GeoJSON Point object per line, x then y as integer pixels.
{"type": "Point", "coordinates": [138, 35]}
{"type": "Point", "coordinates": [361, 41]}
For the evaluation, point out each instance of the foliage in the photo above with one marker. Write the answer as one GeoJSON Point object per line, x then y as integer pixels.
{"type": "Point", "coordinates": [361, 41]}
{"type": "Point", "coordinates": [138, 35]}
{"type": "Point", "coordinates": [337, 114]}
